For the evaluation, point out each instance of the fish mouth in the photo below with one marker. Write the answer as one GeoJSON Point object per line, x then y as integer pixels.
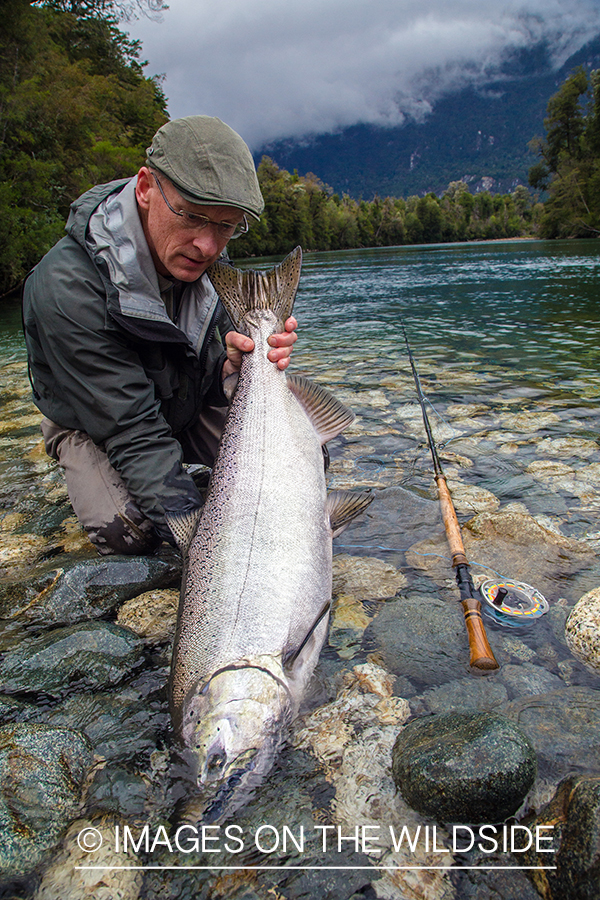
{"type": "Point", "coordinates": [231, 786]}
{"type": "Point", "coordinates": [230, 796]}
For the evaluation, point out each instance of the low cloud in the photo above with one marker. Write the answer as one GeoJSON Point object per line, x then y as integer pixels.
{"type": "Point", "coordinates": [283, 69]}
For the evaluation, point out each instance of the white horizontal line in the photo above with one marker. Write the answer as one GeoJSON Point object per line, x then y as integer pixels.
{"type": "Point", "coordinates": [312, 868]}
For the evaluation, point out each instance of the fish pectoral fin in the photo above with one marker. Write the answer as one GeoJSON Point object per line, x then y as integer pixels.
{"type": "Point", "coordinates": [291, 655]}
{"type": "Point", "coordinates": [241, 290]}
{"type": "Point", "coordinates": [328, 416]}
{"type": "Point", "coordinates": [183, 527]}
{"type": "Point", "coordinates": [230, 384]}
{"type": "Point", "coordinates": [344, 506]}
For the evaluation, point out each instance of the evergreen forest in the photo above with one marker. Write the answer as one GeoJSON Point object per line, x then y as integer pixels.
{"type": "Point", "coordinates": [76, 109]}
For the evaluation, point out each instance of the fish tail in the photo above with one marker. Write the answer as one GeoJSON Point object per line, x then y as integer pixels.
{"type": "Point", "coordinates": [241, 290]}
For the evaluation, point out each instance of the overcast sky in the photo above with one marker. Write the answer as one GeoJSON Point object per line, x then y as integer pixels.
{"type": "Point", "coordinates": [286, 68]}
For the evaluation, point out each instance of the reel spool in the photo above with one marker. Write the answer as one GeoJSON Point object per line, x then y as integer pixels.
{"type": "Point", "coordinates": [512, 602]}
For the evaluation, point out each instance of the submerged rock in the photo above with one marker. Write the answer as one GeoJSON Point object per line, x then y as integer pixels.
{"type": "Point", "coordinates": [357, 579]}
{"type": "Point", "coordinates": [562, 478]}
{"type": "Point", "coordinates": [66, 879]}
{"type": "Point", "coordinates": [352, 738]}
{"type": "Point", "coordinates": [527, 679]}
{"type": "Point", "coordinates": [582, 630]}
{"type": "Point", "coordinates": [532, 420]}
{"type": "Point", "coordinates": [572, 820]}
{"type": "Point", "coordinates": [152, 615]}
{"type": "Point", "coordinates": [568, 447]}
{"type": "Point", "coordinates": [510, 542]}
{"type": "Point", "coordinates": [365, 577]}
{"type": "Point", "coordinates": [70, 591]}
{"type": "Point", "coordinates": [90, 655]}
{"type": "Point", "coordinates": [422, 637]}
{"type": "Point", "coordinates": [470, 499]}
{"type": "Point", "coordinates": [12, 710]}
{"type": "Point", "coordinates": [17, 550]}
{"type": "Point", "coordinates": [463, 767]}
{"type": "Point", "coordinates": [121, 789]}
{"type": "Point", "coordinates": [563, 726]}
{"type": "Point", "coordinates": [117, 725]}
{"type": "Point", "coordinates": [463, 694]}
{"type": "Point", "coordinates": [42, 772]}
{"type": "Point", "coordinates": [517, 648]}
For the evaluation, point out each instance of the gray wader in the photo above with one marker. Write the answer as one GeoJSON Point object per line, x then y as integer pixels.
{"type": "Point", "coordinates": [105, 508]}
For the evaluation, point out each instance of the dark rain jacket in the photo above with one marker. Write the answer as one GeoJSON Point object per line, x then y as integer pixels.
{"type": "Point", "coordinates": [106, 359]}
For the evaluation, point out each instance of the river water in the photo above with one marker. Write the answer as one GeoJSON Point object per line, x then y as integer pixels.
{"type": "Point", "coordinates": [505, 338]}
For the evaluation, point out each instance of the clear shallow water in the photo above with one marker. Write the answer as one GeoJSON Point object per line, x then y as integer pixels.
{"type": "Point", "coordinates": [505, 337]}
{"type": "Point", "coordinates": [498, 332]}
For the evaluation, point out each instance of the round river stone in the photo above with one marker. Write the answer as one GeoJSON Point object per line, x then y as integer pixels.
{"type": "Point", "coordinates": [464, 767]}
{"type": "Point", "coordinates": [42, 772]}
{"type": "Point", "coordinates": [582, 630]}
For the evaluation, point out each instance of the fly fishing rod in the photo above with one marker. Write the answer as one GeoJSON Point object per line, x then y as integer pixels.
{"type": "Point", "coordinates": [482, 656]}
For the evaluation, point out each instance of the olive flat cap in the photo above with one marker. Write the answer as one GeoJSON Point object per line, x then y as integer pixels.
{"type": "Point", "coordinates": [208, 162]}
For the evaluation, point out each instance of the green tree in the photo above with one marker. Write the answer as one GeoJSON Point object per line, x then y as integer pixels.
{"type": "Point", "coordinates": [569, 166]}
{"type": "Point", "coordinates": [565, 123]}
{"type": "Point", "coordinates": [430, 217]}
{"type": "Point", "coordinates": [75, 109]}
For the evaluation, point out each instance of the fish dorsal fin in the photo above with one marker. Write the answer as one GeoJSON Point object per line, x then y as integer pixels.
{"type": "Point", "coordinates": [183, 527]}
{"type": "Point", "coordinates": [344, 506]}
{"type": "Point", "coordinates": [290, 656]}
{"type": "Point", "coordinates": [328, 416]}
{"type": "Point", "coordinates": [241, 290]}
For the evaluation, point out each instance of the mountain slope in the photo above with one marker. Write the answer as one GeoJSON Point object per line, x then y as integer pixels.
{"type": "Point", "coordinates": [477, 135]}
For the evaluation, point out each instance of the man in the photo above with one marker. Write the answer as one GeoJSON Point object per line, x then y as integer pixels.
{"type": "Point", "coordinates": [128, 343]}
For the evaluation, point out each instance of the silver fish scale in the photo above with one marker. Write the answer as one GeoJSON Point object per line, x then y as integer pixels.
{"type": "Point", "coordinates": [259, 565]}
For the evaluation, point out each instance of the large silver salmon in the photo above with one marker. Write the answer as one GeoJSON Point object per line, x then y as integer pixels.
{"type": "Point", "coordinates": [256, 590]}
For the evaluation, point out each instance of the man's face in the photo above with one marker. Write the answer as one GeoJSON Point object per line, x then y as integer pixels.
{"type": "Point", "coordinates": [179, 248]}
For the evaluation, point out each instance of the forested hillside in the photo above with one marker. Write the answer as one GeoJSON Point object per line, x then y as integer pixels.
{"type": "Point", "coordinates": [75, 109]}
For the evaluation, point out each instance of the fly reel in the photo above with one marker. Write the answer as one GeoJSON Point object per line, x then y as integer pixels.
{"type": "Point", "coordinates": [512, 602]}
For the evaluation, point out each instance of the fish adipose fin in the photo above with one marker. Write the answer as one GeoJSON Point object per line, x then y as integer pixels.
{"type": "Point", "coordinates": [183, 527]}
{"type": "Point", "coordinates": [344, 506]}
{"type": "Point", "coordinates": [329, 416]}
{"type": "Point", "coordinates": [241, 290]}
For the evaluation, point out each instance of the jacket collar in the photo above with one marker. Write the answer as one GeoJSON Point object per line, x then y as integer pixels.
{"type": "Point", "coordinates": [106, 222]}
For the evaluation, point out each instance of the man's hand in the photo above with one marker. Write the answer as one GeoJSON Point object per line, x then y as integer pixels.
{"type": "Point", "coordinates": [282, 344]}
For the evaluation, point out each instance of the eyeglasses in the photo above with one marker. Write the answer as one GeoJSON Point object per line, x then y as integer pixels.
{"type": "Point", "coordinates": [196, 222]}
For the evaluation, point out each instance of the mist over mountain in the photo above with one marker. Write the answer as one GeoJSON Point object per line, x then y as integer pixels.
{"type": "Point", "coordinates": [477, 134]}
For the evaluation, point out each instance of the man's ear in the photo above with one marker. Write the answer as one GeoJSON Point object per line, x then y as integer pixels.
{"type": "Point", "coordinates": [143, 187]}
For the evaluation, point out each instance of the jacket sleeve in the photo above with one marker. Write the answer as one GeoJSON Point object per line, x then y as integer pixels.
{"type": "Point", "coordinates": [87, 376]}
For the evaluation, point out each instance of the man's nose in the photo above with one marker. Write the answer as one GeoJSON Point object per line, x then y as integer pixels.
{"type": "Point", "coordinates": [207, 241]}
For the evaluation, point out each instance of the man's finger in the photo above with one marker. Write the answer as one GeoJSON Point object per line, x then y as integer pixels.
{"type": "Point", "coordinates": [241, 342]}
{"type": "Point", "coordinates": [286, 339]}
